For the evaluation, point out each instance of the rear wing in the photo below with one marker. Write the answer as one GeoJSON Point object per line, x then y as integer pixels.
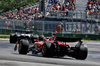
{"type": "Point", "coordinates": [63, 39]}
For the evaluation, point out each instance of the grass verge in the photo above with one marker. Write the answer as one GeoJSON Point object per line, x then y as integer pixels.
{"type": "Point", "coordinates": [4, 36]}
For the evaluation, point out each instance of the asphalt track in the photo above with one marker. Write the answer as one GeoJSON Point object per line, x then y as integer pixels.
{"type": "Point", "coordinates": [9, 57]}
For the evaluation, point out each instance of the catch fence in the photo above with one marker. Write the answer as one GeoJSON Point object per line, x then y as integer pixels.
{"type": "Point", "coordinates": [64, 26]}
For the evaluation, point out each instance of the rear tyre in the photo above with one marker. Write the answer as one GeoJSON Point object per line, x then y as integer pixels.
{"type": "Point", "coordinates": [23, 46]}
{"type": "Point", "coordinates": [81, 52]}
{"type": "Point", "coordinates": [48, 49]}
{"type": "Point", "coordinates": [13, 38]}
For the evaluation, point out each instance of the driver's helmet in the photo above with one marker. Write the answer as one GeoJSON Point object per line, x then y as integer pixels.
{"type": "Point", "coordinates": [36, 36]}
{"type": "Point", "coordinates": [41, 37]}
{"type": "Point", "coordinates": [54, 36]}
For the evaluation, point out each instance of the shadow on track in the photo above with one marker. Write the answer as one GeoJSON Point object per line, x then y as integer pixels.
{"type": "Point", "coordinates": [65, 57]}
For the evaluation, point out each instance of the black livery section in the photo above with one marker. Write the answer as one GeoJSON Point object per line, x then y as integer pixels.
{"type": "Point", "coordinates": [68, 39]}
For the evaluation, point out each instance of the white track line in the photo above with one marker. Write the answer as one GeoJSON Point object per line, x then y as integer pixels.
{"type": "Point", "coordinates": [3, 39]}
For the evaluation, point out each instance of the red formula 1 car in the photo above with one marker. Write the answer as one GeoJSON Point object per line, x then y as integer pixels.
{"type": "Point", "coordinates": [54, 47]}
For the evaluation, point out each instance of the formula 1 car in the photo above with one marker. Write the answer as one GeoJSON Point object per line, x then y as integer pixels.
{"type": "Point", "coordinates": [21, 34]}
{"type": "Point", "coordinates": [55, 47]}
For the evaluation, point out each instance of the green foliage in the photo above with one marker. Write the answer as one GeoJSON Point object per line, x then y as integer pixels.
{"type": "Point", "coordinates": [6, 5]}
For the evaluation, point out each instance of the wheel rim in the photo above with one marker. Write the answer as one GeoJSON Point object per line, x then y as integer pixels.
{"type": "Point", "coordinates": [43, 49]}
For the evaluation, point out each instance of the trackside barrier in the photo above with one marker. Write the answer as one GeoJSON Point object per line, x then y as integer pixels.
{"type": "Point", "coordinates": [6, 31]}
{"type": "Point", "coordinates": [0, 31]}
{"type": "Point", "coordinates": [84, 36]}
{"type": "Point", "coordinates": [49, 34]}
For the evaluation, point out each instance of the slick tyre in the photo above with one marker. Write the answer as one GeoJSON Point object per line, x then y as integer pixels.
{"type": "Point", "coordinates": [23, 46]}
{"type": "Point", "coordinates": [81, 52]}
{"type": "Point", "coordinates": [12, 38]}
{"type": "Point", "coordinates": [48, 49]}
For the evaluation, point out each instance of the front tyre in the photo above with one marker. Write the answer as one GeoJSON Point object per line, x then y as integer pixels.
{"type": "Point", "coordinates": [81, 52]}
{"type": "Point", "coordinates": [23, 46]}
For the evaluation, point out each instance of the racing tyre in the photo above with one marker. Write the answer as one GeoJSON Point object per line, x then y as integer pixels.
{"type": "Point", "coordinates": [23, 46]}
{"type": "Point", "coordinates": [81, 52]}
{"type": "Point", "coordinates": [48, 50]}
{"type": "Point", "coordinates": [12, 38]}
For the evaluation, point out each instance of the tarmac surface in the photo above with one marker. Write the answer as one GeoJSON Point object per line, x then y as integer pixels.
{"type": "Point", "coordinates": [9, 57]}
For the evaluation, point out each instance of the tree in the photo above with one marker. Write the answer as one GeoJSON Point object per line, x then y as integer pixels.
{"type": "Point", "coordinates": [6, 5]}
